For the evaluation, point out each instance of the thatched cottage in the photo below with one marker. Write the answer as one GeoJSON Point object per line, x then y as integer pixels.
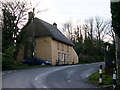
{"type": "Point", "coordinates": [45, 41]}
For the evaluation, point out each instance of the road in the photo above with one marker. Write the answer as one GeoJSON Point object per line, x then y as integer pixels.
{"type": "Point", "coordinates": [71, 76]}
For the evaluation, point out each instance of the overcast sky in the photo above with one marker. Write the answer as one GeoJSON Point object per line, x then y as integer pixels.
{"type": "Point", "coordinates": [60, 11]}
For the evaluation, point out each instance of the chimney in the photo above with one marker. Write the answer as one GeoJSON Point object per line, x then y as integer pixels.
{"type": "Point", "coordinates": [55, 25]}
{"type": "Point", "coordinates": [30, 16]}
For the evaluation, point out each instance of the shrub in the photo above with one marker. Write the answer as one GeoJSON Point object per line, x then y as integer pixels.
{"type": "Point", "coordinates": [8, 62]}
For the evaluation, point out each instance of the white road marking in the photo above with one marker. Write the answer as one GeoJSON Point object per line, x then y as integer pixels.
{"type": "Point", "coordinates": [53, 71]}
{"type": "Point", "coordinates": [48, 73]}
{"type": "Point", "coordinates": [40, 75]}
{"type": "Point", "coordinates": [44, 87]}
{"type": "Point", "coordinates": [58, 69]}
{"type": "Point", "coordinates": [69, 81]}
{"type": "Point", "coordinates": [9, 71]}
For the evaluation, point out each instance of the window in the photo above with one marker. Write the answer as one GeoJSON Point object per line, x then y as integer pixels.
{"type": "Point", "coordinates": [58, 62]}
{"type": "Point", "coordinates": [68, 59]}
{"type": "Point", "coordinates": [64, 58]}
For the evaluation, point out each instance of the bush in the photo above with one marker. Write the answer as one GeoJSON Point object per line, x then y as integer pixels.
{"type": "Point", "coordinates": [7, 62]}
{"type": "Point", "coordinates": [90, 59]}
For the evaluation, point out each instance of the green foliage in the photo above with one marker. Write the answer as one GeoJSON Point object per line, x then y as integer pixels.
{"type": "Point", "coordinates": [90, 51]}
{"type": "Point", "coordinates": [94, 79]}
{"type": "Point", "coordinates": [7, 59]}
{"type": "Point", "coordinates": [7, 30]}
{"type": "Point", "coordinates": [7, 63]}
{"type": "Point", "coordinates": [10, 51]}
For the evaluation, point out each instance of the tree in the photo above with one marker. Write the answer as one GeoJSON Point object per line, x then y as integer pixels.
{"type": "Point", "coordinates": [17, 11]}
{"type": "Point", "coordinates": [79, 39]}
{"type": "Point", "coordinates": [100, 28]}
{"type": "Point", "coordinates": [7, 30]}
{"type": "Point", "coordinates": [86, 29]}
{"type": "Point", "coordinates": [91, 26]}
{"type": "Point", "coordinates": [68, 28]}
{"type": "Point", "coordinates": [115, 10]}
{"type": "Point", "coordinates": [90, 38]}
{"type": "Point", "coordinates": [110, 31]}
{"type": "Point", "coordinates": [14, 13]}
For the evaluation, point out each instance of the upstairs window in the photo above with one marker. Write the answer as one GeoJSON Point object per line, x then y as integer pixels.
{"type": "Point", "coordinates": [62, 56]}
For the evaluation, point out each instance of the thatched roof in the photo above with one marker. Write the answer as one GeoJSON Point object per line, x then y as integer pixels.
{"type": "Point", "coordinates": [43, 29]}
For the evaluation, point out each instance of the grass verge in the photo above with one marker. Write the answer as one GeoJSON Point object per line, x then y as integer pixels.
{"type": "Point", "coordinates": [107, 81]}
{"type": "Point", "coordinates": [23, 66]}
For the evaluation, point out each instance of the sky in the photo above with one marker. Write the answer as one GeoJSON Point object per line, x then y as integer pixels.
{"type": "Point", "coordinates": [60, 11]}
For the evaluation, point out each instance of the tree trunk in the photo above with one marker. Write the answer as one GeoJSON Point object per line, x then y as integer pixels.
{"type": "Point", "coordinates": [118, 57]}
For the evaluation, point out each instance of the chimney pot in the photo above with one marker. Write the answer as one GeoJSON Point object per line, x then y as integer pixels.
{"type": "Point", "coordinates": [55, 25]}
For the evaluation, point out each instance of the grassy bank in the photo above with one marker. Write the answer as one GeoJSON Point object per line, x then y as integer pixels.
{"type": "Point", "coordinates": [107, 80]}
{"type": "Point", "coordinates": [8, 63]}
{"type": "Point", "coordinates": [23, 66]}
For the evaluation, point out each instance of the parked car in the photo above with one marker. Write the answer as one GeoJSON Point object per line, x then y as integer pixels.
{"type": "Point", "coordinates": [35, 61]}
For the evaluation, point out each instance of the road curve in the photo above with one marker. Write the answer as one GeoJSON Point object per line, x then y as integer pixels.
{"type": "Point", "coordinates": [71, 76]}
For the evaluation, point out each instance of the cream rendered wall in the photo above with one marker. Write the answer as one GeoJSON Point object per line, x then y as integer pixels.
{"type": "Point", "coordinates": [43, 48]}
{"type": "Point", "coordinates": [62, 49]}
{"type": "Point", "coordinates": [47, 49]}
{"type": "Point", "coordinates": [54, 52]}
{"type": "Point", "coordinates": [73, 56]}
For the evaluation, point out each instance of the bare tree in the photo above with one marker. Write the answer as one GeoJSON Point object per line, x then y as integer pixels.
{"type": "Point", "coordinates": [18, 10]}
{"type": "Point", "coordinates": [14, 13]}
{"type": "Point", "coordinates": [110, 31]}
{"type": "Point", "coordinates": [68, 28]}
{"type": "Point", "coordinates": [91, 25]}
{"type": "Point", "coordinates": [100, 28]}
{"type": "Point", "coordinates": [78, 33]}
{"type": "Point", "coordinates": [86, 29]}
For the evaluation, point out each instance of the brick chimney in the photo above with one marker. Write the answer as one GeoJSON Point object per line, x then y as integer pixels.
{"type": "Point", "coordinates": [55, 25]}
{"type": "Point", "coordinates": [30, 16]}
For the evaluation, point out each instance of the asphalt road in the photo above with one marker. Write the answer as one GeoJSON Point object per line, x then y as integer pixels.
{"type": "Point", "coordinates": [71, 76]}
